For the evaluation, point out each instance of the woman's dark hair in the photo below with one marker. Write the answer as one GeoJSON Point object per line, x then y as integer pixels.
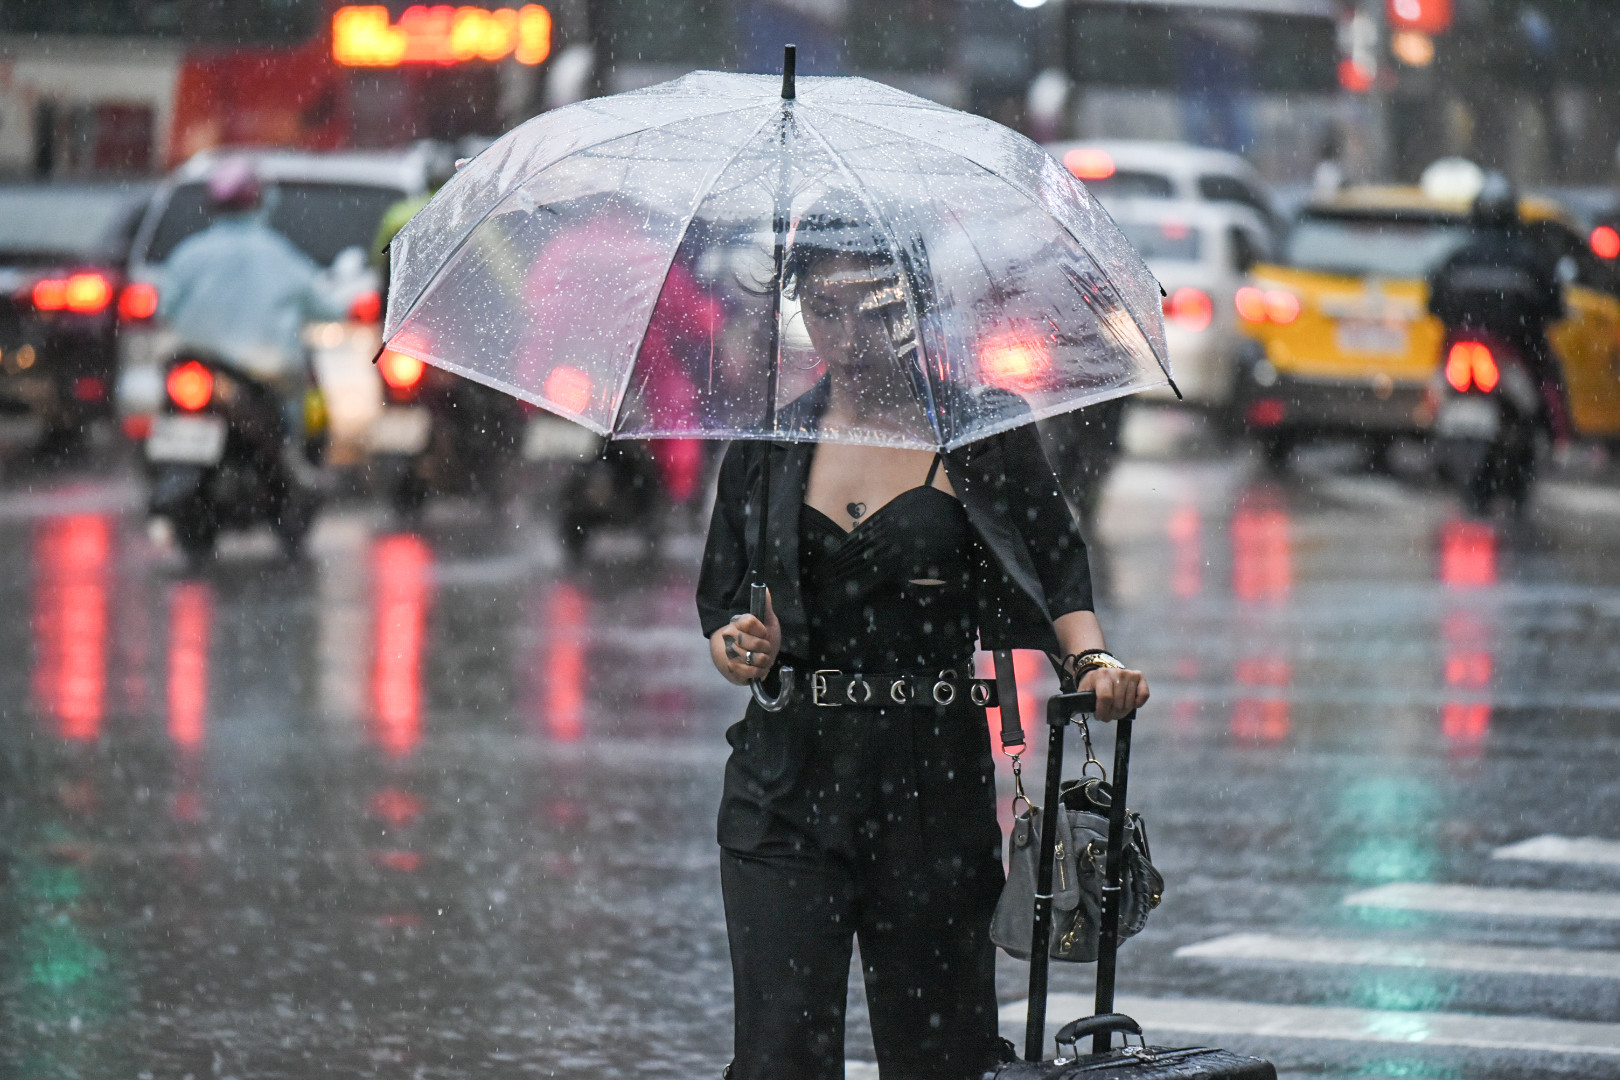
{"type": "Point", "coordinates": [827, 230]}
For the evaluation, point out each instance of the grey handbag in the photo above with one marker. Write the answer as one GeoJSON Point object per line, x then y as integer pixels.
{"type": "Point", "coordinates": [1079, 872]}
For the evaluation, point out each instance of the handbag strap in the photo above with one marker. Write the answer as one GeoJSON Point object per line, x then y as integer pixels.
{"type": "Point", "coordinates": [1012, 727]}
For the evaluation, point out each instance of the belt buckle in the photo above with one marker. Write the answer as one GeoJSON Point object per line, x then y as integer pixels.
{"type": "Point", "coordinates": [818, 688]}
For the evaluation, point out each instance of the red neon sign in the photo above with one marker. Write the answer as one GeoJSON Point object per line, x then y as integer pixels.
{"type": "Point", "coordinates": [365, 35]}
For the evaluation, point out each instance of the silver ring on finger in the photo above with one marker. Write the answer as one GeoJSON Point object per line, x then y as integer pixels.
{"type": "Point", "coordinates": [748, 658]}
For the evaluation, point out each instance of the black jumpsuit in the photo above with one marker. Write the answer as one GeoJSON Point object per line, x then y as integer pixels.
{"type": "Point", "coordinates": [872, 823]}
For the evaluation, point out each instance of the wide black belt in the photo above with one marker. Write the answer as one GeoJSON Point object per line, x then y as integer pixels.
{"type": "Point", "coordinates": [832, 688]}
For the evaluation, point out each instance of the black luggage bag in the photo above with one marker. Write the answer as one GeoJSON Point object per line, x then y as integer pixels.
{"type": "Point", "coordinates": [1105, 1062]}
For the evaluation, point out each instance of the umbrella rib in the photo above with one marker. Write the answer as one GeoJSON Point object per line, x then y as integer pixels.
{"type": "Point", "coordinates": [527, 179]}
{"type": "Point", "coordinates": [894, 241]}
{"type": "Point", "coordinates": [702, 193]}
{"type": "Point", "coordinates": [1030, 197]}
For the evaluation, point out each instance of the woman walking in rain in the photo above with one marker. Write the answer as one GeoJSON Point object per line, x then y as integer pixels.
{"type": "Point", "coordinates": [865, 810]}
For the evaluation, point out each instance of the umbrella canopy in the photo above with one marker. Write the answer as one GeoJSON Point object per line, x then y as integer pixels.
{"type": "Point", "coordinates": [689, 259]}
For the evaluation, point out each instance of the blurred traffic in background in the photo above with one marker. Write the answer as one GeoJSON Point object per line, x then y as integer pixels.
{"type": "Point", "coordinates": [1355, 548]}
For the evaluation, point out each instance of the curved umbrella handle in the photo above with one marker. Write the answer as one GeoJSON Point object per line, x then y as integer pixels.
{"type": "Point", "coordinates": [756, 608]}
{"type": "Point", "coordinates": [783, 695]}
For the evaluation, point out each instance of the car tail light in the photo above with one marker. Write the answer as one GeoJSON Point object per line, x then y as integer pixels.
{"type": "Point", "coordinates": [399, 371]}
{"type": "Point", "coordinates": [1089, 163]}
{"type": "Point", "coordinates": [191, 385]}
{"type": "Point", "coordinates": [1266, 412]}
{"type": "Point", "coordinates": [1282, 307]}
{"type": "Point", "coordinates": [85, 293]}
{"type": "Point", "coordinates": [139, 300]}
{"type": "Point", "coordinates": [367, 307]}
{"type": "Point", "coordinates": [1606, 242]}
{"type": "Point", "coordinates": [1191, 308]}
{"type": "Point", "coordinates": [1251, 304]}
{"type": "Point", "coordinates": [89, 388]}
{"type": "Point", "coordinates": [1470, 363]}
{"type": "Point", "coordinates": [50, 294]}
{"type": "Point", "coordinates": [1267, 305]}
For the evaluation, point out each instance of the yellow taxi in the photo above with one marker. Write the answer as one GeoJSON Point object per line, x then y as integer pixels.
{"type": "Point", "coordinates": [1343, 342]}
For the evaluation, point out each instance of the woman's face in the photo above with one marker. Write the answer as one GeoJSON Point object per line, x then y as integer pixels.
{"type": "Point", "coordinates": [853, 343]}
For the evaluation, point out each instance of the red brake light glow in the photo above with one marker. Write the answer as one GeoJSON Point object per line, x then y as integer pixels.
{"type": "Point", "coordinates": [1251, 304]}
{"type": "Point", "coordinates": [1191, 308]}
{"type": "Point", "coordinates": [367, 307]}
{"type": "Point", "coordinates": [85, 293]}
{"type": "Point", "coordinates": [1089, 163]}
{"type": "Point", "coordinates": [191, 385]}
{"type": "Point", "coordinates": [1282, 307]}
{"type": "Point", "coordinates": [1470, 363]}
{"type": "Point", "coordinates": [1606, 242]}
{"type": "Point", "coordinates": [399, 371]}
{"type": "Point", "coordinates": [88, 293]}
{"type": "Point", "coordinates": [50, 294]}
{"type": "Point", "coordinates": [139, 300]}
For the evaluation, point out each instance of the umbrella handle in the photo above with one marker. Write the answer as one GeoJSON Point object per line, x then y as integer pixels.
{"type": "Point", "coordinates": [756, 608]}
{"type": "Point", "coordinates": [783, 695]}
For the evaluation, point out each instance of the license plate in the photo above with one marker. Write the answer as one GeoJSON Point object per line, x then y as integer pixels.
{"type": "Point", "coordinates": [189, 440]}
{"type": "Point", "coordinates": [1468, 418]}
{"type": "Point", "coordinates": [1372, 337]}
{"type": "Point", "coordinates": [548, 438]}
{"type": "Point", "coordinates": [400, 431]}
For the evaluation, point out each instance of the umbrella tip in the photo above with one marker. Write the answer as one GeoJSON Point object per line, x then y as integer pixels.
{"type": "Point", "coordinates": [790, 55]}
{"type": "Point", "coordinates": [1177, 389]}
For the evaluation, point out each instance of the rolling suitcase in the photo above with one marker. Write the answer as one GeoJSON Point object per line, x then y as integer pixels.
{"type": "Point", "coordinates": [1105, 1062]}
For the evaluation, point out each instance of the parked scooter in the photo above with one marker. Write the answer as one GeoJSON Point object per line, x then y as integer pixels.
{"type": "Point", "coordinates": [439, 433]}
{"type": "Point", "coordinates": [219, 456]}
{"type": "Point", "coordinates": [1489, 426]}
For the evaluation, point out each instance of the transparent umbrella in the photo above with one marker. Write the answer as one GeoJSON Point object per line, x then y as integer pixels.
{"type": "Point", "coordinates": [642, 264]}
{"type": "Point", "coordinates": [726, 256]}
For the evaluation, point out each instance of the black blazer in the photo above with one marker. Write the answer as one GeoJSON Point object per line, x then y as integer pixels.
{"type": "Point", "coordinates": [1035, 567]}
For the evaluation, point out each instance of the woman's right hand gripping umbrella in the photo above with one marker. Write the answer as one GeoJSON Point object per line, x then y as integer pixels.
{"type": "Point", "coordinates": [747, 649]}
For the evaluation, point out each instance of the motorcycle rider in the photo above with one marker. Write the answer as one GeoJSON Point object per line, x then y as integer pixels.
{"type": "Point", "coordinates": [241, 292]}
{"type": "Point", "coordinates": [1503, 284]}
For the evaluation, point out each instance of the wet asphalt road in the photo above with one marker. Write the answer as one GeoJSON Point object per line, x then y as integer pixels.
{"type": "Point", "coordinates": [434, 804]}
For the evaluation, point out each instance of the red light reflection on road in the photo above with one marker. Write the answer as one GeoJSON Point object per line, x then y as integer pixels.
{"type": "Point", "coordinates": [1467, 554]}
{"type": "Point", "coordinates": [1263, 717]}
{"type": "Point", "coordinates": [1469, 667]}
{"type": "Point", "coordinates": [1186, 534]}
{"type": "Point", "coordinates": [566, 611]}
{"type": "Point", "coordinates": [73, 561]}
{"type": "Point", "coordinates": [191, 622]}
{"type": "Point", "coordinates": [396, 806]}
{"type": "Point", "coordinates": [1262, 549]}
{"type": "Point", "coordinates": [401, 567]}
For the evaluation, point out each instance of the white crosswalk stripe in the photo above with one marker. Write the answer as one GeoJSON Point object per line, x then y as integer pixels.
{"type": "Point", "coordinates": [1478, 900]}
{"type": "Point", "coordinates": [1161, 1017]}
{"type": "Point", "coordinates": [1369, 952]}
{"type": "Point", "coordinates": [1582, 850]}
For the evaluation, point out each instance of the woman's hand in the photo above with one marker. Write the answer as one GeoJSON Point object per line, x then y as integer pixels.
{"type": "Point", "coordinates": [747, 648]}
{"type": "Point", "coordinates": [1118, 690]}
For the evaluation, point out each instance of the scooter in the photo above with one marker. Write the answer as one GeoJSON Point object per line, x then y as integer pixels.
{"type": "Point", "coordinates": [441, 433]}
{"type": "Point", "coordinates": [219, 457]}
{"type": "Point", "coordinates": [1489, 427]}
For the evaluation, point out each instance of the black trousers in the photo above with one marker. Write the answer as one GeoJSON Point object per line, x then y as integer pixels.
{"type": "Point", "coordinates": [896, 845]}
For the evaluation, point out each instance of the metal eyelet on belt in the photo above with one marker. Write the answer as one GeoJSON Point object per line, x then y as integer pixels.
{"type": "Point", "coordinates": [901, 692]}
{"type": "Point", "coordinates": [849, 691]}
{"type": "Point", "coordinates": [979, 693]}
{"type": "Point", "coordinates": [944, 692]}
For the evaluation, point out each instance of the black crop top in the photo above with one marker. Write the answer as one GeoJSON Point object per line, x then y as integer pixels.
{"type": "Point", "coordinates": [865, 607]}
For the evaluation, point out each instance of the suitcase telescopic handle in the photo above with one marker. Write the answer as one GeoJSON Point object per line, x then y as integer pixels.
{"type": "Point", "coordinates": [1075, 1030]}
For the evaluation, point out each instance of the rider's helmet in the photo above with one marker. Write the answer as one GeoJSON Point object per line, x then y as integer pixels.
{"type": "Point", "coordinates": [1497, 204]}
{"type": "Point", "coordinates": [233, 184]}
